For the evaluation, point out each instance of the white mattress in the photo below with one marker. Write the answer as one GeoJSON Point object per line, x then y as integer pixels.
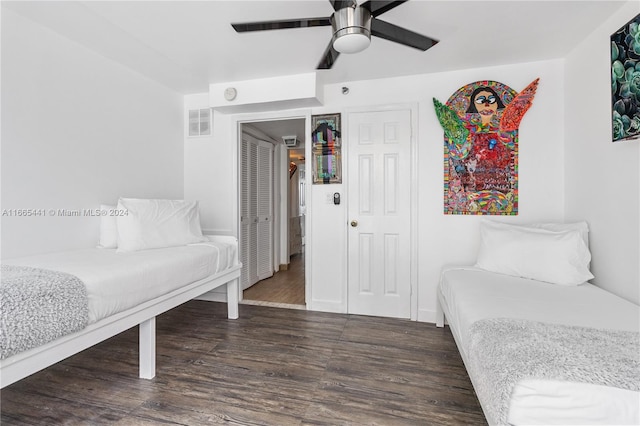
{"type": "Point", "coordinates": [471, 294]}
{"type": "Point", "coordinates": [118, 281]}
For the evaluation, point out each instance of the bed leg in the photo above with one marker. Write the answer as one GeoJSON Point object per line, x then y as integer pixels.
{"type": "Point", "coordinates": [148, 349]}
{"type": "Point", "coordinates": [232, 299]}
{"type": "Point", "coordinates": [439, 314]}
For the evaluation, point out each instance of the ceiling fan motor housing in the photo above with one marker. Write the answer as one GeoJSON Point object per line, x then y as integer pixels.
{"type": "Point", "coordinates": [352, 24]}
{"type": "Point", "coordinates": [351, 29]}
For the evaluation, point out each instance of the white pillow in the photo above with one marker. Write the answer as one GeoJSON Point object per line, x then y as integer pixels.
{"type": "Point", "coordinates": [558, 257]}
{"type": "Point", "coordinates": [108, 228]}
{"type": "Point", "coordinates": [581, 227]}
{"type": "Point", "coordinates": [157, 223]}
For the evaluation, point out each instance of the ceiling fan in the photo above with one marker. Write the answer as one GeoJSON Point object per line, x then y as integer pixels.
{"type": "Point", "coordinates": [353, 25]}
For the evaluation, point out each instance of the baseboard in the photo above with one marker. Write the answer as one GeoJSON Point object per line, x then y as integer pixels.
{"type": "Point", "coordinates": [426, 316]}
{"type": "Point", "coordinates": [284, 266]}
{"type": "Point", "coordinates": [327, 306]}
{"type": "Point", "coordinates": [273, 304]}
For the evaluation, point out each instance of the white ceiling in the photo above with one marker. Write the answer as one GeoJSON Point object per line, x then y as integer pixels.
{"type": "Point", "coordinates": [186, 45]}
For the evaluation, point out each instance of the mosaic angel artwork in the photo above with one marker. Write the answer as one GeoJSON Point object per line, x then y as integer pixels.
{"type": "Point", "coordinates": [481, 122]}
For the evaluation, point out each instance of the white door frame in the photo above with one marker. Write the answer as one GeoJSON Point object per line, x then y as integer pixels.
{"type": "Point", "coordinates": [236, 122]}
{"type": "Point", "coordinates": [413, 107]}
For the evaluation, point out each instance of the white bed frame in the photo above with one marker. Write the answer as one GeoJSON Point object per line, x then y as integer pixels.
{"type": "Point", "coordinates": [442, 313]}
{"type": "Point", "coordinates": [26, 363]}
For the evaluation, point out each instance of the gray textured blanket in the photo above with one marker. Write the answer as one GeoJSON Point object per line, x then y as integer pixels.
{"type": "Point", "coordinates": [502, 352]}
{"type": "Point", "coordinates": [38, 306]}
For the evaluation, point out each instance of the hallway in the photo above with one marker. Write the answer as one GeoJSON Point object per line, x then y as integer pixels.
{"type": "Point", "coordinates": [285, 289]}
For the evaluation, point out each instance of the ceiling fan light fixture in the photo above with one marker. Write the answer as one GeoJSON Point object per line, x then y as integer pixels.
{"type": "Point", "coordinates": [351, 43]}
{"type": "Point", "coordinates": [351, 29]}
{"type": "Point", "coordinates": [353, 23]}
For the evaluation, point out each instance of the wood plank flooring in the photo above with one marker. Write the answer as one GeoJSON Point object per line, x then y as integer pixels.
{"type": "Point", "coordinates": [285, 287]}
{"type": "Point", "coordinates": [270, 367]}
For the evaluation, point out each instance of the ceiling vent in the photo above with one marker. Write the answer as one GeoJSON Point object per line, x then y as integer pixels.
{"type": "Point", "coordinates": [290, 141]}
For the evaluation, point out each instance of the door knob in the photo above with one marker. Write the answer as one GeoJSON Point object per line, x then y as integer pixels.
{"type": "Point", "coordinates": [354, 223]}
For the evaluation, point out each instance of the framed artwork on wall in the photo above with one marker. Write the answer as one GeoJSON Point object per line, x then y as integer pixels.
{"type": "Point", "coordinates": [481, 122]}
{"type": "Point", "coordinates": [326, 149]}
{"type": "Point", "coordinates": [326, 168]}
{"type": "Point", "coordinates": [625, 81]}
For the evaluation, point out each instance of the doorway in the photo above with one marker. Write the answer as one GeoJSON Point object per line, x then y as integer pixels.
{"type": "Point", "coordinates": [278, 248]}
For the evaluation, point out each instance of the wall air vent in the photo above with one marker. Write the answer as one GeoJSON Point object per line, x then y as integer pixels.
{"type": "Point", "coordinates": [200, 122]}
{"type": "Point", "coordinates": [290, 141]}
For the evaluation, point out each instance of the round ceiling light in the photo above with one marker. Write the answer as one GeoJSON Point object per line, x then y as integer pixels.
{"type": "Point", "coordinates": [351, 43]}
{"type": "Point", "coordinates": [351, 29]}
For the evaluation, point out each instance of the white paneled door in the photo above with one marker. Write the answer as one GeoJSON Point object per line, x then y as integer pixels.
{"type": "Point", "coordinates": [379, 206]}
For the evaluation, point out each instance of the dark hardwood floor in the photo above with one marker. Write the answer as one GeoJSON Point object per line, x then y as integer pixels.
{"type": "Point", "coordinates": [270, 367]}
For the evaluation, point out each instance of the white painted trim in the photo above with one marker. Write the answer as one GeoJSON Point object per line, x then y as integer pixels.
{"type": "Point", "coordinates": [335, 307]}
{"type": "Point", "coordinates": [345, 219]}
{"type": "Point", "coordinates": [280, 206]}
{"type": "Point", "coordinates": [258, 134]}
{"type": "Point", "coordinates": [274, 304]}
{"type": "Point", "coordinates": [235, 182]}
{"type": "Point", "coordinates": [414, 211]}
{"type": "Point", "coordinates": [235, 133]}
{"type": "Point", "coordinates": [429, 316]}
{"type": "Point", "coordinates": [277, 206]}
{"type": "Point", "coordinates": [415, 314]}
{"type": "Point", "coordinates": [308, 250]}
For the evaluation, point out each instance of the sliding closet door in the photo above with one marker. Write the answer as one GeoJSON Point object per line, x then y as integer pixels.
{"type": "Point", "coordinates": [245, 214]}
{"type": "Point", "coordinates": [264, 260]}
{"type": "Point", "coordinates": [256, 210]}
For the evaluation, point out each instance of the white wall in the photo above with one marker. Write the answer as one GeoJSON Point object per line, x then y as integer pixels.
{"type": "Point", "coordinates": [442, 239]}
{"type": "Point", "coordinates": [210, 171]}
{"type": "Point", "coordinates": [445, 239]}
{"type": "Point", "coordinates": [78, 130]}
{"type": "Point", "coordinates": [602, 177]}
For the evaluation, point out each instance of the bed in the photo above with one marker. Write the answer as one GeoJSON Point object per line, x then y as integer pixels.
{"type": "Point", "coordinates": [119, 289]}
{"type": "Point", "coordinates": [539, 352]}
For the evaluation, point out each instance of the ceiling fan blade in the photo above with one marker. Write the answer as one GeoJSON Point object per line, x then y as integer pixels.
{"type": "Point", "coordinates": [341, 4]}
{"type": "Point", "coordinates": [328, 58]}
{"type": "Point", "coordinates": [400, 35]}
{"type": "Point", "coordinates": [378, 7]}
{"type": "Point", "coordinates": [279, 25]}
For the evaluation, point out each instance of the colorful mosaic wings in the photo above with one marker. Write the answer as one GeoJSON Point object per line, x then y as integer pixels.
{"type": "Point", "coordinates": [514, 112]}
{"type": "Point", "coordinates": [454, 130]}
